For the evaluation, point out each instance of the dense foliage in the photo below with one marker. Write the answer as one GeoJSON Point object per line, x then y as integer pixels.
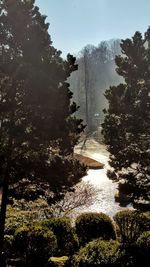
{"type": "Point", "coordinates": [38, 131]}
{"type": "Point", "coordinates": [66, 237]}
{"type": "Point", "coordinates": [126, 127]}
{"type": "Point", "coordinates": [97, 253]}
{"type": "Point", "coordinates": [91, 225]}
{"type": "Point", "coordinates": [34, 245]}
{"type": "Point", "coordinates": [28, 241]}
{"type": "Point", "coordinates": [131, 224]}
{"type": "Point", "coordinates": [143, 245]}
{"type": "Point", "coordinates": [23, 212]}
{"type": "Point", "coordinates": [33, 82]}
{"type": "Point", "coordinates": [36, 111]}
{"type": "Point", "coordinates": [64, 172]}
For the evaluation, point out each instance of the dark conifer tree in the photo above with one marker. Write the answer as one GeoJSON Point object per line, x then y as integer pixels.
{"type": "Point", "coordinates": [35, 100]}
{"type": "Point", "coordinates": [127, 121]}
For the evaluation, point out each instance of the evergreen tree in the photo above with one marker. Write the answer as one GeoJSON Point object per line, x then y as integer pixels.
{"type": "Point", "coordinates": [35, 101]}
{"type": "Point", "coordinates": [127, 121]}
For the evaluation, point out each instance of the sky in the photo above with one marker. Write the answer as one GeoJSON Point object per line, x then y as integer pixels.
{"type": "Point", "coordinates": [76, 23]}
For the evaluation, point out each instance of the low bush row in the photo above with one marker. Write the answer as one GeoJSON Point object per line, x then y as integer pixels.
{"type": "Point", "coordinates": [95, 240]}
{"type": "Point", "coordinates": [112, 253]}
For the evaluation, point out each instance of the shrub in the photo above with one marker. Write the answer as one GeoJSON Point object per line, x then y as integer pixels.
{"type": "Point", "coordinates": [35, 245]}
{"type": "Point", "coordinates": [143, 241]}
{"type": "Point", "coordinates": [8, 245]}
{"type": "Point", "coordinates": [131, 224]}
{"type": "Point", "coordinates": [126, 257]}
{"type": "Point", "coordinates": [66, 238]}
{"type": "Point", "coordinates": [17, 217]}
{"type": "Point", "coordinates": [23, 212]}
{"type": "Point", "coordinates": [14, 220]}
{"type": "Point", "coordinates": [91, 226]}
{"type": "Point", "coordinates": [145, 222]}
{"type": "Point", "coordinates": [143, 248]}
{"type": "Point", "coordinates": [69, 169]}
{"type": "Point", "coordinates": [97, 253]}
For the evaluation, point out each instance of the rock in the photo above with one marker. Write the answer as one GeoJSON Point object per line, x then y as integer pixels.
{"type": "Point", "coordinates": [91, 163]}
{"type": "Point", "coordinates": [58, 261]}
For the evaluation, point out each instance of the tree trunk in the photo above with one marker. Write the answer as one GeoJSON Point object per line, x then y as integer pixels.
{"type": "Point", "coordinates": [86, 93]}
{"type": "Point", "coordinates": [7, 171]}
{"type": "Point", "coordinates": [3, 216]}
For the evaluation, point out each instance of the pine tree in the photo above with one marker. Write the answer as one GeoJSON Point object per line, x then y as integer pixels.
{"type": "Point", "coordinates": [35, 101]}
{"type": "Point", "coordinates": [127, 121]}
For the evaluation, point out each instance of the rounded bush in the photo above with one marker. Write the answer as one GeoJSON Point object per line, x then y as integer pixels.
{"type": "Point", "coordinates": [145, 222]}
{"type": "Point", "coordinates": [18, 215]}
{"type": "Point", "coordinates": [8, 245]}
{"type": "Point", "coordinates": [130, 223]}
{"type": "Point", "coordinates": [66, 238]}
{"type": "Point", "coordinates": [91, 226]}
{"type": "Point", "coordinates": [141, 253]}
{"type": "Point", "coordinates": [21, 239]}
{"type": "Point", "coordinates": [97, 253]}
{"type": "Point", "coordinates": [35, 245]}
{"type": "Point", "coordinates": [143, 243]}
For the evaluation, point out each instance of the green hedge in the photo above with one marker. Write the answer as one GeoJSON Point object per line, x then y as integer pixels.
{"type": "Point", "coordinates": [131, 224]}
{"type": "Point", "coordinates": [143, 248]}
{"type": "Point", "coordinates": [97, 253]}
{"type": "Point", "coordinates": [66, 238]}
{"type": "Point", "coordinates": [34, 245]}
{"type": "Point", "coordinates": [91, 226]}
{"type": "Point", "coordinates": [145, 222]}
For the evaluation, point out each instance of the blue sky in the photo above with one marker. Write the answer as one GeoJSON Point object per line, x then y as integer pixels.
{"type": "Point", "coordinates": [76, 23]}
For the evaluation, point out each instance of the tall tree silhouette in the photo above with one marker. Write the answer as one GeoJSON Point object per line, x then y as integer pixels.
{"type": "Point", "coordinates": [127, 127]}
{"type": "Point", "coordinates": [35, 100]}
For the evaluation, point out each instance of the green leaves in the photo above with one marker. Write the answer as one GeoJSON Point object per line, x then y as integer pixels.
{"type": "Point", "coordinates": [35, 100]}
{"type": "Point", "coordinates": [126, 127]}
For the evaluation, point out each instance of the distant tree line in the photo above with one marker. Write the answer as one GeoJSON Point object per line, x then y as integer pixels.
{"type": "Point", "coordinates": [96, 72]}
